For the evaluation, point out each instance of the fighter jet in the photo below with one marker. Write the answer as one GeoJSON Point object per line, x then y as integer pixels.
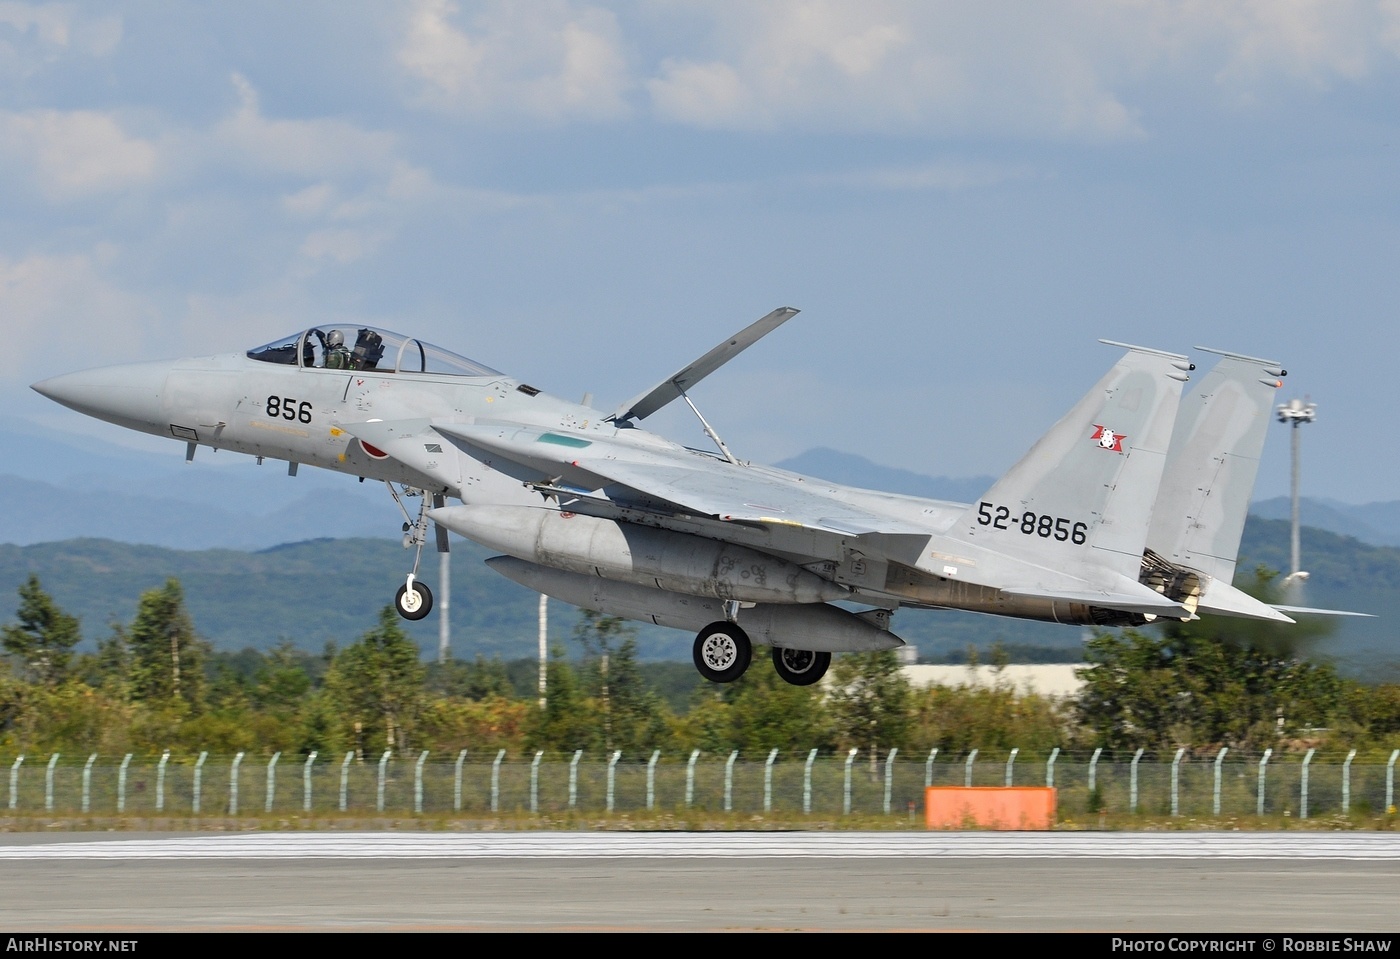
{"type": "Point", "coordinates": [1129, 510]}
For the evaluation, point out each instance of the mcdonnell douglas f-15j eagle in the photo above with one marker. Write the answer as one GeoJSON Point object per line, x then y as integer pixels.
{"type": "Point", "coordinates": [1129, 509]}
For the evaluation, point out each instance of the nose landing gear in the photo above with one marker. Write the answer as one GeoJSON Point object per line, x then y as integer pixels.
{"type": "Point", "coordinates": [414, 600]}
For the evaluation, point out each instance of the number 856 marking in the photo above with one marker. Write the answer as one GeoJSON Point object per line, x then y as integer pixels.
{"type": "Point", "coordinates": [1033, 524]}
{"type": "Point", "coordinates": [289, 409]}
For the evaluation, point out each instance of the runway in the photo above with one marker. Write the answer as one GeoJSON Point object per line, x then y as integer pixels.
{"type": "Point", "coordinates": [558, 881]}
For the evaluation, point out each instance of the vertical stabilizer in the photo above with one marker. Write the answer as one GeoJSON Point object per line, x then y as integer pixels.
{"type": "Point", "coordinates": [1212, 464]}
{"type": "Point", "coordinates": [1082, 498]}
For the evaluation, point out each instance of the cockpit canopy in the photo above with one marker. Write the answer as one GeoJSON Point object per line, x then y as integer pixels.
{"type": "Point", "coordinates": [366, 348]}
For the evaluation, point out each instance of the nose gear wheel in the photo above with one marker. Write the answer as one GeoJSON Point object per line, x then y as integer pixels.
{"type": "Point", "coordinates": [413, 600]}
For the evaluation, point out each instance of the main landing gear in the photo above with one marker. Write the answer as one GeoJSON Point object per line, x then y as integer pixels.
{"type": "Point", "coordinates": [414, 600]}
{"type": "Point", "coordinates": [800, 667]}
{"type": "Point", "coordinates": [723, 652]}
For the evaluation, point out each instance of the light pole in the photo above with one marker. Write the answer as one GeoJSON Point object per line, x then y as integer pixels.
{"type": "Point", "coordinates": [1295, 413]}
{"type": "Point", "coordinates": [444, 607]}
{"type": "Point", "coordinates": [544, 647]}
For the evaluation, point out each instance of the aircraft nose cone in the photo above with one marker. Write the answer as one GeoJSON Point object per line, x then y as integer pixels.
{"type": "Point", "coordinates": [129, 395]}
{"type": "Point", "coordinates": [65, 389]}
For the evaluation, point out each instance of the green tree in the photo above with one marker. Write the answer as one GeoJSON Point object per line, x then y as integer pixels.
{"type": "Point", "coordinates": [166, 663]}
{"type": "Point", "coordinates": [281, 680]}
{"type": "Point", "coordinates": [43, 639]}
{"type": "Point", "coordinates": [377, 684]}
{"type": "Point", "coordinates": [1210, 682]}
{"type": "Point", "coordinates": [568, 721]}
{"type": "Point", "coordinates": [109, 668]}
{"type": "Point", "coordinates": [956, 719]}
{"type": "Point", "coordinates": [869, 701]}
{"type": "Point", "coordinates": [638, 719]}
{"type": "Point", "coordinates": [480, 679]}
{"type": "Point", "coordinates": [632, 714]}
{"type": "Point", "coordinates": [766, 713]}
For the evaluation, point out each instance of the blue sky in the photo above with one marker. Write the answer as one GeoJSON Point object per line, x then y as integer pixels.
{"type": "Point", "coordinates": [962, 198]}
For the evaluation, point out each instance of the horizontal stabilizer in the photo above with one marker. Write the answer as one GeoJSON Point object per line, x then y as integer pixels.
{"type": "Point", "coordinates": [640, 407]}
{"type": "Point", "coordinates": [1312, 611]}
{"type": "Point", "coordinates": [1221, 598]}
{"type": "Point", "coordinates": [1225, 600]}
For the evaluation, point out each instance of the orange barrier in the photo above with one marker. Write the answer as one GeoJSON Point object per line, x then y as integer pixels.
{"type": "Point", "coordinates": [989, 807]}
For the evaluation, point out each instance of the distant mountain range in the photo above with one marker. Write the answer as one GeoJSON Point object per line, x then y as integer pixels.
{"type": "Point", "coordinates": [1375, 523]}
{"type": "Point", "coordinates": [330, 590]}
{"type": "Point", "coordinates": [57, 487]}
{"type": "Point", "coordinates": [851, 470]}
{"type": "Point", "coordinates": [266, 557]}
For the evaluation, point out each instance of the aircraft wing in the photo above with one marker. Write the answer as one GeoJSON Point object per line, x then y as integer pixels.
{"type": "Point", "coordinates": [640, 407]}
{"type": "Point", "coordinates": [741, 495]}
{"type": "Point", "coordinates": [698, 485]}
{"type": "Point", "coordinates": [695, 482]}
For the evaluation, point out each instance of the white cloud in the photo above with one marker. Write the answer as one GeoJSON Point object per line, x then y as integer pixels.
{"type": "Point", "coordinates": [1390, 25]}
{"type": "Point", "coordinates": [546, 60]}
{"type": "Point", "coordinates": [341, 246]}
{"type": "Point", "coordinates": [927, 67]}
{"type": "Point", "coordinates": [34, 35]}
{"type": "Point", "coordinates": [312, 201]}
{"type": "Point", "coordinates": [313, 148]}
{"type": "Point", "coordinates": [710, 94]}
{"type": "Point", "coordinates": [73, 154]}
{"type": "Point", "coordinates": [61, 310]}
{"type": "Point", "coordinates": [359, 177]}
{"type": "Point", "coordinates": [1059, 69]}
{"type": "Point", "coordinates": [80, 153]}
{"type": "Point", "coordinates": [1316, 41]}
{"type": "Point", "coordinates": [947, 177]}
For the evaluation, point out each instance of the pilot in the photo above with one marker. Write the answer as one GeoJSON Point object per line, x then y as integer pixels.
{"type": "Point", "coordinates": [337, 356]}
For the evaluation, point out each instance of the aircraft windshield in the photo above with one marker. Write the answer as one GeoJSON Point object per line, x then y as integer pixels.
{"type": "Point", "coordinates": [366, 348]}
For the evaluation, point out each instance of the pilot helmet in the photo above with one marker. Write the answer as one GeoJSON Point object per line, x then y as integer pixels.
{"type": "Point", "coordinates": [335, 338]}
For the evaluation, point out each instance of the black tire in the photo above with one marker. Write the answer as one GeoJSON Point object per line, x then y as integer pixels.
{"type": "Point", "coordinates": [416, 606]}
{"type": "Point", "coordinates": [800, 667]}
{"type": "Point", "coordinates": [722, 652]}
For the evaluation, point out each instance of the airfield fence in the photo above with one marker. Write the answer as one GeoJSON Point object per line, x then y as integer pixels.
{"type": "Point", "coordinates": [469, 784]}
